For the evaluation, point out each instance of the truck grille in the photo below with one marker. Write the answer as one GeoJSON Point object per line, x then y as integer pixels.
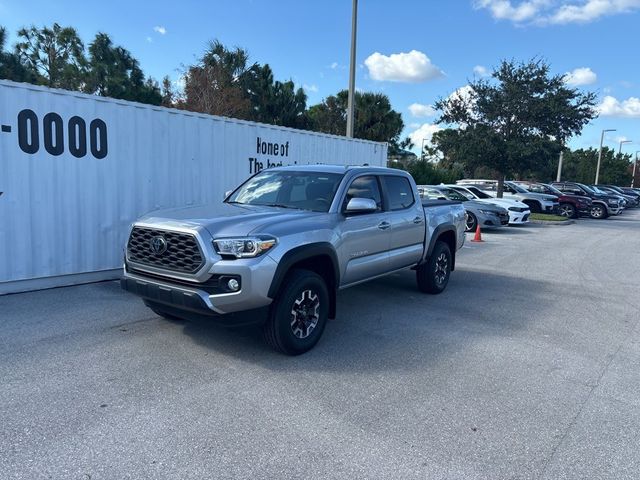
{"type": "Point", "coordinates": [175, 251]}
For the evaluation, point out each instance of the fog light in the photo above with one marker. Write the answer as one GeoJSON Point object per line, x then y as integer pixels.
{"type": "Point", "coordinates": [233, 285]}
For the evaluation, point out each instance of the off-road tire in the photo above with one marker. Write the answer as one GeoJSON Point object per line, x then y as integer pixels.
{"type": "Point", "coordinates": [433, 275]}
{"type": "Point", "coordinates": [302, 300]}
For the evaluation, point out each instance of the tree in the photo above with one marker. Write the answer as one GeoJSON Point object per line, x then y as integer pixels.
{"type": "Point", "coordinates": [11, 68]}
{"type": "Point", "coordinates": [580, 166]}
{"type": "Point", "coordinates": [374, 118]}
{"type": "Point", "coordinates": [217, 83]}
{"type": "Point", "coordinates": [275, 102]}
{"type": "Point", "coordinates": [509, 123]}
{"type": "Point", "coordinates": [56, 54]}
{"type": "Point", "coordinates": [113, 72]}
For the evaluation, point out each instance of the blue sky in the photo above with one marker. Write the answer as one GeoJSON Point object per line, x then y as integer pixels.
{"type": "Point", "coordinates": [413, 50]}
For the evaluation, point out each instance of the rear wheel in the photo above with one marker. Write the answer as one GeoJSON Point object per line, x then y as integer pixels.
{"type": "Point", "coordinates": [599, 211]}
{"type": "Point", "coordinates": [433, 275]}
{"type": "Point", "coordinates": [471, 222]}
{"type": "Point", "coordinates": [567, 210]}
{"type": "Point", "coordinates": [298, 314]}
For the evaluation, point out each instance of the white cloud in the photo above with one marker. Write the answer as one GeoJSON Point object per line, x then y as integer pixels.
{"type": "Point", "coordinates": [505, 10]}
{"type": "Point", "coordinates": [612, 107]}
{"type": "Point", "coordinates": [421, 110]}
{"type": "Point", "coordinates": [411, 67]}
{"type": "Point", "coordinates": [559, 12]}
{"type": "Point", "coordinates": [424, 131]}
{"type": "Point", "coordinates": [590, 10]}
{"type": "Point", "coordinates": [334, 65]}
{"type": "Point", "coordinates": [580, 76]}
{"type": "Point", "coordinates": [149, 39]}
{"type": "Point", "coordinates": [310, 88]}
{"type": "Point", "coordinates": [481, 71]}
{"type": "Point", "coordinates": [160, 29]}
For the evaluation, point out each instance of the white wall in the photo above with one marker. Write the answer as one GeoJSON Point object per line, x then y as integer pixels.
{"type": "Point", "coordinates": [65, 213]}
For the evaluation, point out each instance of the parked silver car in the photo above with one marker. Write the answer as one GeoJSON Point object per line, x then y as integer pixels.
{"type": "Point", "coordinates": [482, 213]}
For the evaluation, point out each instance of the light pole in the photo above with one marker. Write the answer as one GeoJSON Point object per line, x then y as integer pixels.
{"type": "Point", "coordinates": [352, 70]}
{"type": "Point", "coordinates": [621, 142]}
{"type": "Point", "coordinates": [422, 150]}
{"type": "Point", "coordinates": [633, 175]}
{"type": "Point", "coordinates": [600, 151]}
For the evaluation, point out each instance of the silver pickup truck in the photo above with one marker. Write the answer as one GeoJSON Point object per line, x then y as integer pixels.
{"type": "Point", "coordinates": [285, 241]}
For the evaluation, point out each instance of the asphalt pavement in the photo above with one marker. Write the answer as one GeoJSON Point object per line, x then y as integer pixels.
{"type": "Point", "coordinates": [527, 367]}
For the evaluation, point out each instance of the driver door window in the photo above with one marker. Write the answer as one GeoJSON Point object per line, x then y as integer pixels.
{"type": "Point", "coordinates": [364, 187]}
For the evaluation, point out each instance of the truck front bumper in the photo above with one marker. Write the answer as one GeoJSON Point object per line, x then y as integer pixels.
{"type": "Point", "coordinates": [255, 277]}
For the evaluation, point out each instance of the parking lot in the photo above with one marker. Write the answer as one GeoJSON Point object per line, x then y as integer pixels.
{"type": "Point", "coordinates": [527, 366]}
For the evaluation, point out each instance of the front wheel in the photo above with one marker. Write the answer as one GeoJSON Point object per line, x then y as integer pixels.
{"type": "Point", "coordinates": [567, 210]}
{"type": "Point", "coordinates": [471, 222]}
{"type": "Point", "coordinates": [433, 275]}
{"type": "Point", "coordinates": [298, 314]}
{"type": "Point", "coordinates": [599, 211]}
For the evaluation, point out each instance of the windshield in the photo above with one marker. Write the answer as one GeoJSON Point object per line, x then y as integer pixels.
{"type": "Point", "coordinates": [461, 191]}
{"type": "Point", "coordinates": [454, 195]}
{"type": "Point", "coordinates": [587, 188]}
{"type": "Point", "coordinates": [478, 193]}
{"type": "Point", "coordinates": [597, 190]}
{"type": "Point", "coordinates": [516, 188]}
{"type": "Point", "coordinates": [552, 189]}
{"type": "Point", "coordinates": [302, 190]}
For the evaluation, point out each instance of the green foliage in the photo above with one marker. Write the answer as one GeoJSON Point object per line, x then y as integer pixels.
{"type": "Point", "coordinates": [374, 117]}
{"type": "Point", "coordinates": [275, 102]}
{"type": "Point", "coordinates": [580, 166]}
{"type": "Point", "coordinates": [11, 68]}
{"type": "Point", "coordinates": [515, 123]}
{"type": "Point", "coordinates": [55, 55]}
{"type": "Point", "coordinates": [113, 72]}
{"type": "Point", "coordinates": [428, 173]}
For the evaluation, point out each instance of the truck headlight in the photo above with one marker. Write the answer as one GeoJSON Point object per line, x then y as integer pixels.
{"type": "Point", "coordinates": [612, 201]}
{"type": "Point", "coordinates": [243, 247]}
{"type": "Point", "coordinates": [488, 212]}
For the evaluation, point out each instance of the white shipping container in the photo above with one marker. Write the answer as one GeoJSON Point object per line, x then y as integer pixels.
{"type": "Point", "coordinates": [76, 170]}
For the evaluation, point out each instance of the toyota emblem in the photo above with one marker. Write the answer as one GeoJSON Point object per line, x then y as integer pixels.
{"type": "Point", "coordinates": [158, 245]}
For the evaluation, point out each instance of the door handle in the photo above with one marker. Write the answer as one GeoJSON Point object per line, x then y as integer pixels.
{"type": "Point", "coordinates": [417, 220]}
{"type": "Point", "coordinates": [384, 225]}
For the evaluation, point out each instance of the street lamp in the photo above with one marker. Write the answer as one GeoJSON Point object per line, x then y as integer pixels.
{"type": "Point", "coordinates": [352, 70]}
{"type": "Point", "coordinates": [633, 175]}
{"type": "Point", "coordinates": [600, 152]}
{"type": "Point", "coordinates": [621, 142]}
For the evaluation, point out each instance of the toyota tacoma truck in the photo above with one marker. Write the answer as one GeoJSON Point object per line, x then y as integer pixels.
{"type": "Point", "coordinates": [285, 241]}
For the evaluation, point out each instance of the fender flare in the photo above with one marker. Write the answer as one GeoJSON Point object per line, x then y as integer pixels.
{"type": "Point", "coordinates": [439, 230]}
{"type": "Point", "coordinates": [301, 253]}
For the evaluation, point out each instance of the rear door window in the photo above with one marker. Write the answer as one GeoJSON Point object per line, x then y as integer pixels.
{"type": "Point", "coordinates": [399, 192]}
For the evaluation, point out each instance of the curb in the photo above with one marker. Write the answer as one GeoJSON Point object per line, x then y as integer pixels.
{"type": "Point", "coordinates": [556, 223]}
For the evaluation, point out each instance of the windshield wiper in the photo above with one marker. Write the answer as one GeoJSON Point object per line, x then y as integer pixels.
{"type": "Point", "coordinates": [281, 205]}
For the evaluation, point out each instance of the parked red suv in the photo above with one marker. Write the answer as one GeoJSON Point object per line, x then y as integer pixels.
{"type": "Point", "coordinates": [571, 206]}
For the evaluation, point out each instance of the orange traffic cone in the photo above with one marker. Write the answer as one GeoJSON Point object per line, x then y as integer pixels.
{"type": "Point", "coordinates": [478, 235]}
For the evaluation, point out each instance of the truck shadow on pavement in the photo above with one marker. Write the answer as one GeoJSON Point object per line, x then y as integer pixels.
{"type": "Point", "coordinates": [387, 324]}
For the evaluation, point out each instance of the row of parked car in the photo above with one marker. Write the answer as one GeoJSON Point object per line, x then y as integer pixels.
{"type": "Point", "coordinates": [520, 199]}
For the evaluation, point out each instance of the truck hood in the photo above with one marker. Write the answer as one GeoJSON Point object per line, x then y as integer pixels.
{"type": "Point", "coordinates": [222, 219]}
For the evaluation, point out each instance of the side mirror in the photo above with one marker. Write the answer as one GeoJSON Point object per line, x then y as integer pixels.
{"type": "Point", "coordinates": [361, 205]}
